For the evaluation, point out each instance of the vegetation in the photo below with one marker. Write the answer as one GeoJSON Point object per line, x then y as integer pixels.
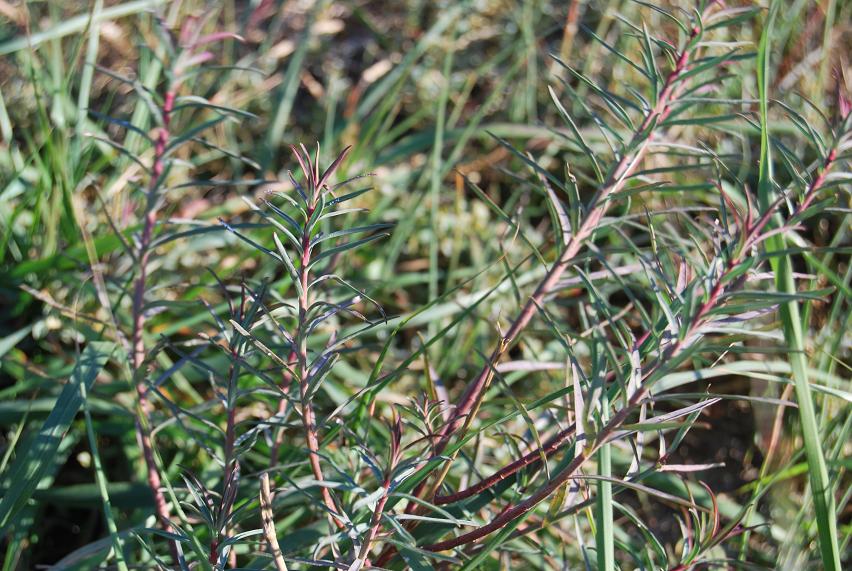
{"type": "Point", "coordinates": [454, 285]}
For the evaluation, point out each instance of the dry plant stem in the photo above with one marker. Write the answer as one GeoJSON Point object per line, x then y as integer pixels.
{"type": "Point", "coordinates": [752, 234]}
{"type": "Point", "coordinates": [137, 342]}
{"type": "Point", "coordinates": [308, 416]}
{"type": "Point", "coordinates": [269, 524]}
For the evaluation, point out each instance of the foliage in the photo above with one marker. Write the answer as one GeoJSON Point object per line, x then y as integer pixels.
{"type": "Point", "coordinates": [589, 233]}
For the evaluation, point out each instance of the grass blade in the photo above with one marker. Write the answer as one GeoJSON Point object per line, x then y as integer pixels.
{"type": "Point", "coordinates": [823, 496]}
{"type": "Point", "coordinates": [603, 514]}
{"type": "Point", "coordinates": [28, 468]}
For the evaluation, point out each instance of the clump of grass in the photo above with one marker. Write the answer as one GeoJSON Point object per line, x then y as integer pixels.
{"type": "Point", "coordinates": [322, 376]}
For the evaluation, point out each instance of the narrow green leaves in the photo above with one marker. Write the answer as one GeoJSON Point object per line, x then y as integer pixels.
{"type": "Point", "coordinates": [291, 268]}
{"type": "Point", "coordinates": [821, 488]}
{"type": "Point", "coordinates": [36, 454]}
{"type": "Point", "coordinates": [346, 247]}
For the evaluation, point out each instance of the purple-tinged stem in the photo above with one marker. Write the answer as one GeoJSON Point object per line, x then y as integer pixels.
{"type": "Point", "coordinates": [606, 433]}
{"type": "Point", "coordinates": [143, 431]}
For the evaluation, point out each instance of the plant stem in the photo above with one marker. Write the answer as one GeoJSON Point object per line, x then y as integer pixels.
{"type": "Point", "coordinates": [143, 430]}
{"type": "Point", "coordinates": [269, 523]}
{"type": "Point", "coordinates": [600, 204]}
{"type": "Point", "coordinates": [469, 402]}
{"type": "Point", "coordinates": [308, 416]}
{"type": "Point", "coordinates": [471, 398]}
{"type": "Point", "coordinates": [821, 490]}
{"type": "Point", "coordinates": [230, 439]}
{"type": "Point", "coordinates": [531, 459]}
{"type": "Point", "coordinates": [375, 524]}
{"type": "Point", "coordinates": [751, 234]}
{"type": "Point", "coordinates": [286, 381]}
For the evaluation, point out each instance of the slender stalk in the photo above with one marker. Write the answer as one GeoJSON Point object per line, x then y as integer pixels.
{"type": "Point", "coordinates": [308, 415]}
{"type": "Point", "coordinates": [821, 490]}
{"type": "Point", "coordinates": [231, 464]}
{"type": "Point", "coordinates": [470, 400]}
{"type": "Point", "coordinates": [532, 459]}
{"type": "Point", "coordinates": [375, 524]}
{"type": "Point", "coordinates": [143, 430]}
{"type": "Point", "coordinates": [269, 524]}
{"type": "Point", "coordinates": [286, 381]}
{"type": "Point", "coordinates": [598, 207]}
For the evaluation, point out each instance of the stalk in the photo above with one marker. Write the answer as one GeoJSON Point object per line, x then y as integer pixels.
{"type": "Point", "coordinates": [755, 232]}
{"type": "Point", "coordinates": [269, 524]}
{"type": "Point", "coordinates": [533, 459]}
{"type": "Point", "coordinates": [375, 524]}
{"type": "Point", "coordinates": [308, 415]}
{"type": "Point", "coordinates": [468, 405]}
{"type": "Point", "coordinates": [474, 392]}
{"type": "Point", "coordinates": [823, 496]}
{"type": "Point", "coordinates": [286, 382]}
{"type": "Point", "coordinates": [143, 425]}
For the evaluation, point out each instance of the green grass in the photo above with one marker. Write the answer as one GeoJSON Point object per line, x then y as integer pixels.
{"type": "Point", "coordinates": [823, 492]}
{"type": "Point", "coordinates": [561, 229]}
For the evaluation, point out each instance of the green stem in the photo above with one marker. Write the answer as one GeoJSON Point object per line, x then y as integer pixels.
{"type": "Point", "coordinates": [101, 481]}
{"type": "Point", "coordinates": [823, 497]}
{"type": "Point", "coordinates": [604, 533]}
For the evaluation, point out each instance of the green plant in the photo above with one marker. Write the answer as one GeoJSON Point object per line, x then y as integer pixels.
{"type": "Point", "coordinates": [322, 376]}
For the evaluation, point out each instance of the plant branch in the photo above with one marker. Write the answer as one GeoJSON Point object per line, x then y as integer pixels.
{"type": "Point", "coordinates": [286, 381]}
{"type": "Point", "coordinates": [143, 428]}
{"type": "Point", "coordinates": [619, 175]}
{"type": "Point", "coordinates": [634, 152]}
{"type": "Point", "coordinates": [313, 181]}
{"type": "Point", "coordinates": [532, 459]}
{"type": "Point", "coordinates": [713, 300]}
{"type": "Point", "coordinates": [269, 524]}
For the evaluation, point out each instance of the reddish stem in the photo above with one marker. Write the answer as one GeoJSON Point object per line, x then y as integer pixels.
{"type": "Point", "coordinates": [621, 416]}
{"type": "Point", "coordinates": [469, 402]}
{"type": "Point", "coordinates": [753, 234]}
{"type": "Point", "coordinates": [286, 381]}
{"type": "Point", "coordinates": [531, 459]}
{"type": "Point", "coordinates": [375, 524]}
{"type": "Point", "coordinates": [308, 416]}
{"type": "Point", "coordinates": [616, 181]}
{"type": "Point", "coordinates": [143, 432]}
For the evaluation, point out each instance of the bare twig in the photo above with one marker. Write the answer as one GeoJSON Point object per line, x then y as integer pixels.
{"type": "Point", "coordinates": [269, 524]}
